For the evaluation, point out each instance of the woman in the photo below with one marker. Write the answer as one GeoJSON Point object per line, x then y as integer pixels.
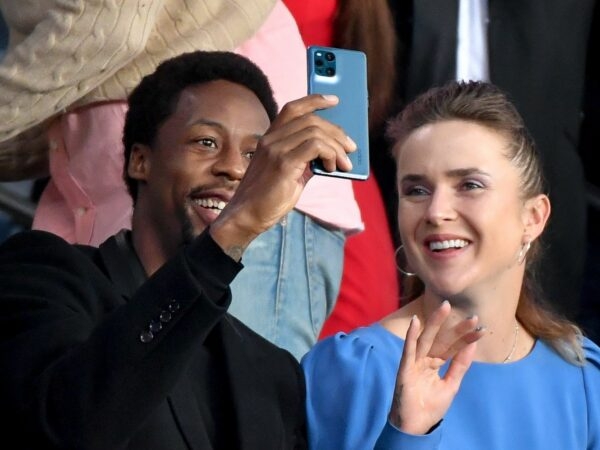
{"type": "Point", "coordinates": [474, 360]}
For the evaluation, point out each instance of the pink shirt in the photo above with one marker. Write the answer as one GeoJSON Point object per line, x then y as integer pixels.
{"type": "Point", "coordinates": [86, 200]}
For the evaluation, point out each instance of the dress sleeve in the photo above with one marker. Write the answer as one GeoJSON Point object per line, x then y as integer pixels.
{"type": "Point", "coordinates": [392, 438]}
{"type": "Point", "coordinates": [350, 381]}
{"type": "Point", "coordinates": [591, 375]}
{"type": "Point", "coordinates": [79, 369]}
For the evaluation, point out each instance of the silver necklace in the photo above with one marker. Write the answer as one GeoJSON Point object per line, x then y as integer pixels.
{"type": "Point", "coordinates": [514, 346]}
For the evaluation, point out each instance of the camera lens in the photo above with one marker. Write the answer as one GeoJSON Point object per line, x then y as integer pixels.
{"type": "Point", "coordinates": [329, 56]}
{"type": "Point", "coordinates": [330, 72]}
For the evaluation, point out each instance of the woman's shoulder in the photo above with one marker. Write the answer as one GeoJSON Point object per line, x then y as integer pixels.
{"type": "Point", "coordinates": [352, 369]}
{"type": "Point", "coordinates": [591, 379]}
{"type": "Point", "coordinates": [398, 322]}
{"type": "Point", "coordinates": [591, 351]}
{"type": "Point", "coordinates": [373, 344]}
{"type": "Point", "coordinates": [371, 336]}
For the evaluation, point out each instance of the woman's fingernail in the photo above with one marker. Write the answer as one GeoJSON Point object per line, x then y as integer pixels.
{"type": "Point", "coordinates": [330, 98]}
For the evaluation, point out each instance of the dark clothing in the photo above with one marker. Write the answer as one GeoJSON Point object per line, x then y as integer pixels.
{"type": "Point", "coordinates": [589, 316]}
{"type": "Point", "coordinates": [537, 54]}
{"type": "Point", "coordinates": [93, 356]}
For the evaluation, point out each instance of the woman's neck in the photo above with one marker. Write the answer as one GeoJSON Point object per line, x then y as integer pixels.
{"type": "Point", "coordinates": [505, 339]}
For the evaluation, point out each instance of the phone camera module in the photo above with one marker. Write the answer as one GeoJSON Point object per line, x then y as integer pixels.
{"type": "Point", "coordinates": [325, 64]}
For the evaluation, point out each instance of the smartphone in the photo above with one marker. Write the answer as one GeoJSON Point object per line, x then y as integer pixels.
{"type": "Point", "coordinates": [343, 73]}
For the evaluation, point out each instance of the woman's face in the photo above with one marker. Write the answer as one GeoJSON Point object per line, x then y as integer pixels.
{"type": "Point", "coordinates": [461, 217]}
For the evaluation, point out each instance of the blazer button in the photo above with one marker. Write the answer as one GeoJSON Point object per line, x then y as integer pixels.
{"type": "Point", "coordinates": [155, 326]}
{"type": "Point", "coordinates": [146, 336]}
{"type": "Point", "coordinates": [173, 306]}
{"type": "Point", "coordinates": [165, 316]}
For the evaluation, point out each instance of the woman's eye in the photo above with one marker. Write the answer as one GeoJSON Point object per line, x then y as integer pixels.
{"type": "Point", "coordinates": [471, 185]}
{"type": "Point", "coordinates": [411, 191]}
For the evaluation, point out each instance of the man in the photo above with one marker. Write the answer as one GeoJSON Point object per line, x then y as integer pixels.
{"type": "Point", "coordinates": [79, 111]}
{"type": "Point", "coordinates": [130, 345]}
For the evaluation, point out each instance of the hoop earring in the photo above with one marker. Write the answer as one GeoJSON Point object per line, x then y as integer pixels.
{"type": "Point", "coordinates": [399, 267]}
{"type": "Point", "coordinates": [523, 252]}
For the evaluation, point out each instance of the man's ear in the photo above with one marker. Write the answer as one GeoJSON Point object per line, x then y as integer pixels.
{"type": "Point", "coordinates": [138, 166]}
{"type": "Point", "coordinates": [536, 214]}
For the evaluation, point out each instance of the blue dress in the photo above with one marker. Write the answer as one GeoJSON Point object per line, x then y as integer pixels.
{"type": "Point", "coordinates": [539, 402]}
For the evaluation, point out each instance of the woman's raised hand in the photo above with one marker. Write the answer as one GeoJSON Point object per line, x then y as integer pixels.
{"type": "Point", "coordinates": [422, 396]}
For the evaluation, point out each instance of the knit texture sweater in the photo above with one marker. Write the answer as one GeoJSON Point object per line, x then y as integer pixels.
{"type": "Point", "coordinates": [68, 53]}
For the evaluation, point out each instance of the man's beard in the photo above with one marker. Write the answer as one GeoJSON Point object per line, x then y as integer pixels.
{"type": "Point", "coordinates": [187, 230]}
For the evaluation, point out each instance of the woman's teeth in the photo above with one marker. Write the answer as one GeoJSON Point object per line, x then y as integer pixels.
{"type": "Point", "coordinates": [443, 245]}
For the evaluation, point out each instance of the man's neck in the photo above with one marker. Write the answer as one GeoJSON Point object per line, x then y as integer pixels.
{"type": "Point", "coordinates": [148, 246]}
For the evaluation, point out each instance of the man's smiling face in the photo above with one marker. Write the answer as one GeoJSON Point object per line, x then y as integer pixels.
{"type": "Point", "coordinates": [198, 158]}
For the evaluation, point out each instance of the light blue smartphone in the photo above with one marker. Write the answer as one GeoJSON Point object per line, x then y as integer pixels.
{"type": "Point", "coordinates": [343, 73]}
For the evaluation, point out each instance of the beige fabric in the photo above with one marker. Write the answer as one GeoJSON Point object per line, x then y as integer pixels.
{"type": "Point", "coordinates": [68, 53]}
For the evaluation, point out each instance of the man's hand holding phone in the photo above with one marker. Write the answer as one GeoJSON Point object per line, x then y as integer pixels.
{"type": "Point", "coordinates": [280, 169]}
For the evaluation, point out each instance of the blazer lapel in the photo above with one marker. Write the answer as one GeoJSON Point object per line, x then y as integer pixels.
{"type": "Point", "coordinates": [122, 264]}
{"type": "Point", "coordinates": [188, 417]}
{"type": "Point", "coordinates": [255, 417]}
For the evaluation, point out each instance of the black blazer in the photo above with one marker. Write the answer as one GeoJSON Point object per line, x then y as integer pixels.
{"type": "Point", "coordinates": [76, 374]}
{"type": "Point", "coordinates": [537, 54]}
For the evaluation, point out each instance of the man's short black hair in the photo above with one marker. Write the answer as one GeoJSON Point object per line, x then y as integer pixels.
{"type": "Point", "coordinates": [155, 98]}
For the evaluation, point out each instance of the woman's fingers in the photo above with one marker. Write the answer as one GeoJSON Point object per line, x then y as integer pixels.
{"type": "Point", "coordinates": [410, 344]}
{"type": "Point", "coordinates": [422, 397]}
{"type": "Point", "coordinates": [431, 329]}
{"type": "Point", "coordinates": [450, 341]}
{"type": "Point", "coordinates": [439, 342]}
{"type": "Point", "coordinates": [459, 365]}
{"type": "Point", "coordinates": [462, 341]}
